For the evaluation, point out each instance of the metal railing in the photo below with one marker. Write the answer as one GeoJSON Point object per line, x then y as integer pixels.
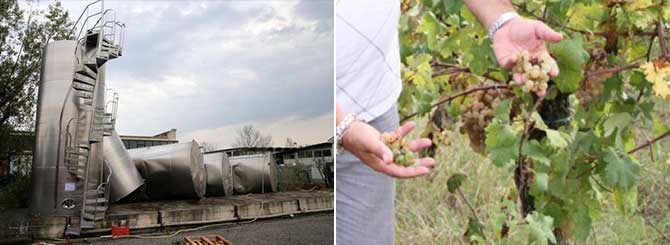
{"type": "Point", "coordinates": [111, 106]}
{"type": "Point", "coordinates": [86, 12]}
{"type": "Point", "coordinates": [101, 20]}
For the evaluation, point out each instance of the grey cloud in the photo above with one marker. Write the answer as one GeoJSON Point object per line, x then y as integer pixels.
{"type": "Point", "coordinates": [292, 65]}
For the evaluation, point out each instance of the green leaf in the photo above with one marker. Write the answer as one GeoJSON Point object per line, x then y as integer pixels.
{"type": "Point", "coordinates": [570, 56]}
{"type": "Point", "coordinates": [540, 227]}
{"type": "Point", "coordinates": [455, 181]}
{"type": "Point", "coordinates": [431, 28]}
{"type": "Point", "coordinates": [618, 121]}
{"type": "Point", "coordinates": [625, 200]}
{"type": "Point", "coordinates": [587, 17]}
{"type": "Point", "coordinates": [452, 7]}
{"type": "Point", "coordinates": [475, 230]}
{"type": "Point", "coordinates": [556, 138]}
{"type": "Point", "coordinates": [582, 223]}
{"type": "Point", "coordinates": [534, 150]}
{"type": "Point", "coordinates": [540, 183]}
{"type": "Point", "coordinates": [502, 143]}
{"type": "Point", "coordinates": [620, 172]}
{"type": "Point", "coordinates": [502, 111]}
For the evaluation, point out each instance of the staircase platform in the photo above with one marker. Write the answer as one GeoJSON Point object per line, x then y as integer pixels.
{"type": "Point", "coordinates": [152, 216]}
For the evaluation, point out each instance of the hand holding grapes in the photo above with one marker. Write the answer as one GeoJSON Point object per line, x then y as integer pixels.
{"type": "Point", "coordinates": [523, 35]}
{"type": "Point", "coordinates": [366, 143]}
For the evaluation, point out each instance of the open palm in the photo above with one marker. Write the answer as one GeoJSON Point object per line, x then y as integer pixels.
{"type": "Point", "coordinates": [520, 35]}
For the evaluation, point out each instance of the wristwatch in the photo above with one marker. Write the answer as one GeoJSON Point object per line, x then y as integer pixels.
{"type": "Point", "coordinates": [342, 128]}
{"type": "Point", "coordinates": [502, 19]}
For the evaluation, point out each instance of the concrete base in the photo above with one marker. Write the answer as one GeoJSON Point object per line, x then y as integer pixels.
{"type": "Point", "coordinates": [159, 214]}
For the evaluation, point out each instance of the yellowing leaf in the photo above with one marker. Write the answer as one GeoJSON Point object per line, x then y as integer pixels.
{"type": "Point", "coordinates": [659, 76]}
{"type": "Point", "coordinates": [638, 4]}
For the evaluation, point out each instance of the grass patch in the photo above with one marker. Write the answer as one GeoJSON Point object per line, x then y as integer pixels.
{"type": "Point", "coordinates": [426, 213]}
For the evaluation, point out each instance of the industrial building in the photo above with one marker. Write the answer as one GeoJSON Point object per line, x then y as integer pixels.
{"type": "Point", "coordinates": [138, 141]}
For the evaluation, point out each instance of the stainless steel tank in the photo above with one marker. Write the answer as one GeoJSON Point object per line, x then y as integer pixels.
{"type": "Point", "coordinates": [219, 174]}
{"type": "Point", "coordinates": [125, 178]}
{"type": "Point", "coordinates": [173, 170]}
{"type": "Point", "coordinates": [51, 182]}
{"type": "Point", "coordinates": [254, 173]}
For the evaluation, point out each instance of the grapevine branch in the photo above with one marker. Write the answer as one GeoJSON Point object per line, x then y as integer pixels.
{"type": "Point", "coordinates": [463, 93]}
{"type": "Point", "coordinates": [467, 203]}
{"type": "Point", "coordinates": [520, 172]}
{"type": "Point", "coordinates": [650, 142]}
{"type": "Point", "coordinates": [654, 226]}
{"type": "Point", "coordinates": [661, 38]}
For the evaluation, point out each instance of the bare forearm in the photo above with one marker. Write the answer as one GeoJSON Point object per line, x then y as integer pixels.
{"type": "Point", "coordinates": [339, 114]}
{"type": "Point", "coordinates": [487, 11]}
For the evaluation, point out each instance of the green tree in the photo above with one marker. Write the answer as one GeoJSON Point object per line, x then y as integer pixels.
{"type": "Point", "coordinates": [23, 35]}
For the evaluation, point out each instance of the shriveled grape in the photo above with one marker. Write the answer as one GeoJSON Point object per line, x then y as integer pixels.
{"type": "Point", "coordinates": [401, 154]}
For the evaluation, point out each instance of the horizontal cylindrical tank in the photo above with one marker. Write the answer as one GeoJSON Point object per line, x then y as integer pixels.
{"type": "Point", "coordinates": [254, 174]}
{"type": "Point", "coordinates": [173, 170]}
{"type": "Point", "coordinates": [52, 185]}
{"type": "Point", "coordinates": [219, 174]}
{"type": "Point", "coordinates": [125, 178]}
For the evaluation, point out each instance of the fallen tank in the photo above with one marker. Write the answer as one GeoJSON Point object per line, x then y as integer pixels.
{"type": "Point", "coordinates": [219, 174]}
{"type": "Point", "coordinates": [125, 178]}
{"type": "Point", "coordinates": [254, 174]}
{"type": "Point", "coordinates": [170, 171]}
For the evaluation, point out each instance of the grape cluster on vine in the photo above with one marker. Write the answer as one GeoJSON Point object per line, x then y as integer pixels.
{"type": "Point", "coordinates": [478, 114]}
{"type": "Point", "coordinates": [402, 155]}
{"type": "Point", "coordinates": [532, 74]}
{"type": "Point", "coordinates": [592, 87]}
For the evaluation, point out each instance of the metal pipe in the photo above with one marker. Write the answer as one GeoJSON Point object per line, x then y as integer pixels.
{"type": "Point", "coordinates": [219, 174]}
{"type": "Point", "coordinates": [125, 178]}
{"type": "Point", "coordinates": [173, 170]}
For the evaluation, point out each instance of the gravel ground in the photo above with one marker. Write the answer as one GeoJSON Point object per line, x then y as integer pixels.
{"type": "Point", "coordinates": [302, 229]}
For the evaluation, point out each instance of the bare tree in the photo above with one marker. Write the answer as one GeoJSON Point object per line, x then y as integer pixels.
{"type": "Point", "coordinates": [207, 146]}
{"type": "Point", "coordinates": [249, 136]}
{"type": "Point", "coordinates": [291, 143]}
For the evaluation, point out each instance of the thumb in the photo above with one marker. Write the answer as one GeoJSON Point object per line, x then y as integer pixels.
{"type": "Point", "coordinates": [544, 32]}
{"type": "Point", "coordinates": [383, 152]}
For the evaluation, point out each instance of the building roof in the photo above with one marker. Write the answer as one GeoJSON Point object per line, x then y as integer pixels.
{"type": "Point", "coordinates": [170, 135]}
{"type": "Point", "coordinates": [275, 149]}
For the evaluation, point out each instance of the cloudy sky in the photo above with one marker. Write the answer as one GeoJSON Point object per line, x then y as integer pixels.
{"type": "Point", "coordinates": [207, 68]}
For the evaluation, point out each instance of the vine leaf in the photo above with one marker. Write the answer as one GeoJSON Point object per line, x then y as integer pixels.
{"type": "Point", "coordinates": [431, 28]}
{"type": "Point", "coordinates": [540, 228]}
{"type": "Point", "coordinates": [502, 111]}
{"type": "Point", "coordinates": [502, 143]}
{"type": "Point", "coordinates": [570, 56]}
{"type": "Point", "coordinates": [658, 75]}
{"type": "Point", "coordinates": [620, 172]}
{"type": "Point", "coordinates": [540, 184]}
{"type": "Point", "coordinates": [556, 138]}
{"type": "Point", "coordinates": [535, 151]}
{"type": "Point", "coordinates": [617, 121]}
{"type": "Point", "coordinates": [582, 223]}
{"type": "Point", "coordinates": [587, 16]}
{"type": "Point", "coordinates": [474, 231]}
{"type": "Point", "coordinates": [454, 182]}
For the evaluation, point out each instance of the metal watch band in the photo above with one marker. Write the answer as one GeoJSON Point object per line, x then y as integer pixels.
{"type": "Point", "coordinates": [502, 19]}
{"type": "Point", "coordinates": [341, 129]}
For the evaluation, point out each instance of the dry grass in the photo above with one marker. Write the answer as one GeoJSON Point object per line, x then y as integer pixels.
{"type": "Point", "coordinates": [426, 213]}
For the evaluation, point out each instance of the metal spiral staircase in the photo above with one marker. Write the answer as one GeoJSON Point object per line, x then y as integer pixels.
{"type": "Point", "coordinates": [102, 41]}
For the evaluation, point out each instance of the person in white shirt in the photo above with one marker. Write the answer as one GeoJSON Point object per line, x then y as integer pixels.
{"type": "Point", "coordinates": [368, 85]}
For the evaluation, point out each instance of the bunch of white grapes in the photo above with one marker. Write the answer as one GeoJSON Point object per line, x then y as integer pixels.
{"type": "Point", "coordinates": [402, 155]}
{"type": "Point", "coordinates": [532, 74]}
{"type": "Point", "coordinates": [478, 114]}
